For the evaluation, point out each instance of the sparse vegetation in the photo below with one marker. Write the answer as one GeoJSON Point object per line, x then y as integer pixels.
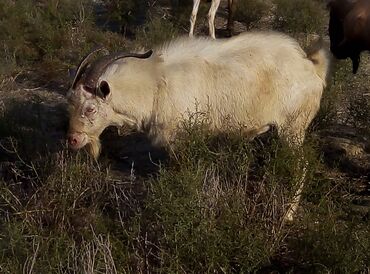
{"type": "Point", "coordinates": [307, 16]}
{"type": "Point", "coordinates": [156, 31]}
{"type": "Point", "coordinates": [360, 112]}
{"type": "Point", "coordinates": [332, 98]}
{"type": "Point", "coordinates": [47, 36]}
{"type": "Point", "coordinates": [216, 205]}
{"type": "Point", "coordinates": [250, 12]}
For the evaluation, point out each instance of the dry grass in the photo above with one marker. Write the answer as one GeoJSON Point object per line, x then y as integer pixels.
{"type": "Point", "coordinates": [216, 205]}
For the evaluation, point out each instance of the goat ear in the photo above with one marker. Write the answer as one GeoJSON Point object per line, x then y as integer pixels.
{"type": "Point", "coordinates": [104, 89]}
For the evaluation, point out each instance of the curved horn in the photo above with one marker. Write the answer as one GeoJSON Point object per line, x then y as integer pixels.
{"type": "Point", "coordinates": [97, 69]}
{"type": "Point", "coordinates": [82, 66]}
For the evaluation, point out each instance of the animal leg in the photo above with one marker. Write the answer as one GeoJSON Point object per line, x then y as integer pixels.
{"type": "Point", "coordinates": [293, 206]}
{"type": "Point", "coordinates": [355, 62]}
{"type": "Point", "coordinates": [193, 16]}
{"type": "Point", "coordinates": [230, 21]}
{"type": "Point", "coordinates": [295, 139]}
{"type": "Point", "coordinates": [211, 17]}
{"type": "Point", "coordinates": [336, 33]}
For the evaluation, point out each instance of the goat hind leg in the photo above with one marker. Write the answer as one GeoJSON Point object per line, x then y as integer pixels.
{"type": "Point", "coordinates": [193, 16]}
{"type": "Point", "coordinates": [211, 17]}
{"type": "Point", "coordinates": [230, 21]}
{"type": "Point", "coordinates": [293, 205]}
{"type": "Point", "coordinates": [295, 139]}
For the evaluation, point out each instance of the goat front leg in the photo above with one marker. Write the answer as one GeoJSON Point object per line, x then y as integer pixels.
{"type": "Point", "coordinates": [193, 17]}
{"type": "Point", "coordinates": [211, 17]}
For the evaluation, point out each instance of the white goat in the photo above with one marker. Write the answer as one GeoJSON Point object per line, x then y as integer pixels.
{"type": "Point", "coordinates": [211, 16]}
{"type": "Point", "coordinates": [253, 80]}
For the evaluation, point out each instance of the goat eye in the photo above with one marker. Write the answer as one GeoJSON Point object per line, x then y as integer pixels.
{"type": "Point", "coordinates": [88, 89]}
{"type": "Point", "coordinates": [90, 109]}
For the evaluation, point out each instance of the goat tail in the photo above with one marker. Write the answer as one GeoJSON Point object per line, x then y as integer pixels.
{"type": "Point", "coordinates": [319, 56]}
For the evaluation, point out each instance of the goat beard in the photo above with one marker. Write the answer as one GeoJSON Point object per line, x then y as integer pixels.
{"type": "Point", "coordinates": [94, 148]}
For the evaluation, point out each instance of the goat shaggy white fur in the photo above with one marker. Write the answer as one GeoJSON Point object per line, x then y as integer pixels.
{"type": "Point", "coordinates": [249, 81]}
{"type": "Point", "coordinates": [253, 79]}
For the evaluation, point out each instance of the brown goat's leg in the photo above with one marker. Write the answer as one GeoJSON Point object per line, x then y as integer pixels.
{"type": "Point", "coordinates": [230, 22]}
{"type": "Point", "coordinates": [355, 63]}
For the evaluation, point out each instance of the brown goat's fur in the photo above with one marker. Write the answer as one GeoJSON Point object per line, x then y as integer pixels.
{"type": "Point", "coordinates": [349, 29]}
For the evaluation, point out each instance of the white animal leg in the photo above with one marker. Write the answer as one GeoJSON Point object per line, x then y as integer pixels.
{"type": "Point", "coordinates": [211, 17]}
{"type": "Point", "coordinates": [296, 141]}
{"type": "Point", "coordinates": [293, 206]}
{"type": "Point", "coordinates": [193, 16]}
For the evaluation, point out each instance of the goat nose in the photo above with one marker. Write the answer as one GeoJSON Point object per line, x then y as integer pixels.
{"type": "Point", "coordinates": [72, 140]}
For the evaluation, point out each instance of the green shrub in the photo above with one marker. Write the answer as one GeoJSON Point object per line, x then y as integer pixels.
{"type": "Point", "coordinates": [250, 11]}
{"type": "Point", "coordinates": [217, 206]}
{"type": "Point", "coordinates": [196, 213]}
{"type": "Point", "coordinates": [222, 200]}
{"type": "Point", "coordinates": [55, 213]}
{"type": "Point", "coordinates": [32, 31]}
{"type": "Point", "coordinates": [296, 16]}
{"type": "Point", "coordinates": [47, 35]}
{"type": "Point", "coordinates": [125, 13]}
{"type": "Point", "coordinates": [327, 243]}
{"type": "Point", "coordinates": [155, 31]}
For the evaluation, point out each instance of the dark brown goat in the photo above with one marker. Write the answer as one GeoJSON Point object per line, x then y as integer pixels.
{"type": "Point", "coordinates": [349, 29]}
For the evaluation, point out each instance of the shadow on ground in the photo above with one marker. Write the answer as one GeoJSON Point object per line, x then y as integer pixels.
{"type": "Point", "coordinates": [34, 125]}
{"type": "Point", "coordinates": [132, 153]}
